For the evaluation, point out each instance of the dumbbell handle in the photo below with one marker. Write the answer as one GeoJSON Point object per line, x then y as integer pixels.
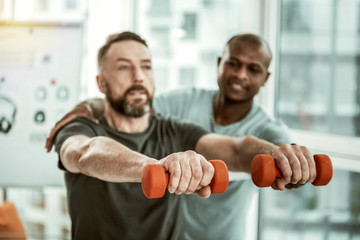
{"type": "Point", "coordinates": [264, 171]}
{"type": "Point", "coordinates": [154, 179]}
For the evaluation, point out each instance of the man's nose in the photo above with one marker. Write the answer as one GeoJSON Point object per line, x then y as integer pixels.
{"type": "Point", "coordinates": [139, 75]}
{"type": "Point", "coordinates": [242, 73]}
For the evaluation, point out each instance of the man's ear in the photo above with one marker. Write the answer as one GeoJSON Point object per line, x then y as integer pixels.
{"type": "Point", "coordinates": [101, 83]}
{"type": "Point", "coordinates": [218, 61]}
{"type": "Point", "coordinates": [266, 77]}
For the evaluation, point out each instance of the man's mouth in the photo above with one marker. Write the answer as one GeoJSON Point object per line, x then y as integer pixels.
{"type": "Point", "coordinates": [136, 92]}
{"type": "Point", "coordinates": [237, 84]}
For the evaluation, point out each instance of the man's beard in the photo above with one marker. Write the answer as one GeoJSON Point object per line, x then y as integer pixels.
{"type": "Point", "coordinates": [121, 105]}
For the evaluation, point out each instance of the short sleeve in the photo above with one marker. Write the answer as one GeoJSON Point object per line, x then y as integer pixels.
{"type": "Point", "coordinates": [190, 134]}
{"type": "Point", "coordinates": [277, 132]}
{"type": "Point", "coordinates": [74, 128]}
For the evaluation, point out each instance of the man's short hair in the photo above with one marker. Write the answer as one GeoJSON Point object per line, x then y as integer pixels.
{"type": "Point", "coordinates": [117, 37]}
{"type": "Point", "coordinates": [253, 40]}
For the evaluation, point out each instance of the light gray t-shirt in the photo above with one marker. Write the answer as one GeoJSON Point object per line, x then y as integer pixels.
{"type": "Point", "coordinates": [222, 216]}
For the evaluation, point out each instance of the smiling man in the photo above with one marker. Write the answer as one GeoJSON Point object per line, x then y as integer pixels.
{"type": "Point", "coordinates": [103, 162]}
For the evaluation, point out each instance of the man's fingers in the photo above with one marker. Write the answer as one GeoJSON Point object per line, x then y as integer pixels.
{"type": "Point", "coordinates": [304, 166]}
{"type": "Point", "coordinates": [311, 163]}
{"type": "Point", "coordinates": [291, 186]}
{"type": "Point", "coordinates": [186, 175]}
{"type": "Point", "coordinates": [294, 163]}
{"type": "Point", "coordinates": [197, 174]}
{"type": "Point", "coordinates": [175, 174]}
{"type": "Point", "coordinates": [204, 192]}
{"type": "Point", "coordinates": [189, 172]}
{"type": "Point", "coordinates": [49, 143]}
{"type": "Point", "coordinates": [208, 172]}
{"type": "Point", "coordinates": [279, 184]}
{"type": "Point", "coordinates": [282, 163]}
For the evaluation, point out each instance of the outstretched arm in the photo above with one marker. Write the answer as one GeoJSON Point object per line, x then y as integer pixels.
{"type": "Point", "coordinates": [295, 162]}
{"type": "Point", "coordinates": [91, 108]}
{"type": "Point", "coordinates": [109, 160]}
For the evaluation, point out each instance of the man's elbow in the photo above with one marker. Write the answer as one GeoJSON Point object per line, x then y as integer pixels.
{"type": "Point", "coordinates": [74, 155]}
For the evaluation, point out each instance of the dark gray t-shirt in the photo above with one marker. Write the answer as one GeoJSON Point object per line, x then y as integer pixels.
{"type": "Point", "coordinates": [106, 210]}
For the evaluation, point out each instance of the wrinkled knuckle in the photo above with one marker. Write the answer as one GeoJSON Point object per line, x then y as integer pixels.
{"type": "Point", "coordinates": [287, 174]}
{"type": "Point", "coordinates": [304, 167]}
{"type": "Point", "coordinates": [175, 173]}
{"type": "Point", "coordinates": [296, 177]}
{"type": "Point", "coordinates": [173, 157]}
{"type": "Point", "coordinates": [303, 149]}
{"type": "Point", "coordinates": [281, 161]}
{"type": "Point", "coordinates": [191, 153]}
{"type": "Point", "coordinates": [197, 175]}
{"type": "Point", "coordinates": [296, 166]}
{"type": "Point", "coordinates": [191, 189]}
{"type": "Point", "coordinates": [210, 169]}
{"type": "Point", "coordinates": [285, 147]}
{"type": "Point", "coordinates": [182, 188]}
{"type": "Point", "coordinates": [186, 175]}
{"type": "Point", "coordinates": [305, 177]}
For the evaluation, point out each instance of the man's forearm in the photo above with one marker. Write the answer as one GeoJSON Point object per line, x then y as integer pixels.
{"type": "Point", "coordinates": [246, 149]}
{"type": "Point", "coordinates": [103, 158]}
{"type": "Point", "coordinates": [237, 153]}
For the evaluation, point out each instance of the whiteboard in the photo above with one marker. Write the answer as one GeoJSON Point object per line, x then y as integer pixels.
{"type": "Point", "coordinates": [40, 66]}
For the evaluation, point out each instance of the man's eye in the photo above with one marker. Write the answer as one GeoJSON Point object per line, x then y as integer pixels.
{"type": "Point", "coordinates": [123, 68]}
{"type": "Point", "coordinates": [147, 67]}
{"type": "Point", "coordinates": [232, 64]}
{"type": "Point", "coordinates": [254, 69]}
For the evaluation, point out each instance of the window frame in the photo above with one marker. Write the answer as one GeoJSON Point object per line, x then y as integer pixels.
{"type": "Point", "coordinates": [343, 150]}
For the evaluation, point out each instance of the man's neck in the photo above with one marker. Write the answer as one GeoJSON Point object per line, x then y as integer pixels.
{"type": "Point", "coordinates": [227, 112]}
{"type": "Point", "coordinates": [124, 123]}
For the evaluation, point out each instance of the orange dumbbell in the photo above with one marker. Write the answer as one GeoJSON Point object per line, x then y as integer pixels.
{"type": "Point", "coordinates": [264, 172]}
{"type": "Point", "coordinates": [154, 179]}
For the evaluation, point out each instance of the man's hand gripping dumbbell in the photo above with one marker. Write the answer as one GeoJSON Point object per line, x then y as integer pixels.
{"type": "Point", "coordinates": [188, 173]}
{"type": "Point", "coordinates": [265, 171]}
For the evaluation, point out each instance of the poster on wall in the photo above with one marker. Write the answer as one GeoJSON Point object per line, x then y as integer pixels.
{"type": "Point", "coordinates": [40, 68]}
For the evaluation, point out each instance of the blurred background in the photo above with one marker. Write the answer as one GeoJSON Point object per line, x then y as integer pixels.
{"type": "Point", "coordinates": [48, 52]}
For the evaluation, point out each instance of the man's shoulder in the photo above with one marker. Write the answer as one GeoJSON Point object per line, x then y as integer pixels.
{"type": "Point", "coordinates": [83, 125]}
{"type": "Point", "coordinates": [84, 120]}
{"type": "Point", "coordinates": [268, 127]}
{"type": "Point", "coordinates": [258, 111]}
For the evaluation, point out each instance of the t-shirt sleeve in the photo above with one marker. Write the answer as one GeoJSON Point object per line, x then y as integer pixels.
{"type": "Point", "coordinates": [73, 128]}
{"type": "Point", "coordinates": [189, 135]}
{"type": "Point", "coordinates": [174, 104]}
{"type": "Point", "coordinates": [277, 132]}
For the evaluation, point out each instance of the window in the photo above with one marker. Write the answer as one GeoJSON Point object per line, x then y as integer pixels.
{"type": "Point", "coordinates": [319, 80]}
{"type": "Point", "coordinates": [191, 33]}
{"type": "Point", "coordinates": [190, 25]}
{"type": "Point", "coordinates": [316, 213]}
{"type": "Point", "coordinates": [318, 96]}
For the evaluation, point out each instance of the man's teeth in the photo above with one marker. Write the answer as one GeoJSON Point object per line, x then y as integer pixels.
{"type": "Point", "coordinates": [236, 85]}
